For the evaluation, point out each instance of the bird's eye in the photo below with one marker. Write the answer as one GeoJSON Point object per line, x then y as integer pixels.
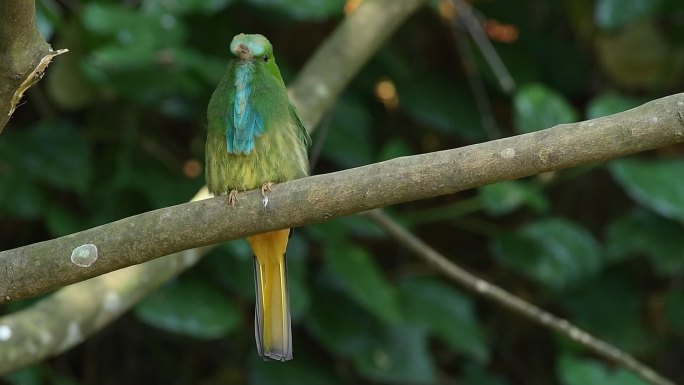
{"type": "Point", "coordinates": [265, 58]}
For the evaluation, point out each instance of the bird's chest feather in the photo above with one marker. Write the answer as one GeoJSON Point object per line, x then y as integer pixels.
{"type": "Point", "coordinates": [257, 141]}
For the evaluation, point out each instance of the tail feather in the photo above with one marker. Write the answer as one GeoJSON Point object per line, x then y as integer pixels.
{"type": "Point", "coordinates": [272, 316]}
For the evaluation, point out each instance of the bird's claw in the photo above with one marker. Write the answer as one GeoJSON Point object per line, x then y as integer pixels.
{"type": "Point", "coordinates": [264, 188]}
{"type": "Point", "coordinates": [232, 198]}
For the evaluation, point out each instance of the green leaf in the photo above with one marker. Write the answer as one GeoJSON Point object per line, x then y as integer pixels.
{"type": "Point", "coordinates": [401, 356]}
{"type": "Point", "coordinates": [52, 152]}
{"type": "Point", "coordinates": [505, 197]}
{"type": "Point", "coordinates": [477, 375]}
{"type": "Point", "coordinates": [394, 148]}
{"type": "Point", "coordinates": [537, 107]}
{"type": "Point", "coordinates": [32, 375]}
{"type": "Point", "coordinates": [610, 103]}
{"type": "Point", "coordinates": [640, 232]}
{"type": "Point", "coordinates": [362, 279]}
{"type": "Point", "coordinates": [438, 102]}
{"type": "Point", "coordinates": [340, 325]}
{"type": "Point", "coordinates": [305, 366]}
{"type": "Point", "coordinates": [232, 266]}
{"type": "Point", "coordinates": [61, 221]}
{"type": "Point", "coordinates": [657, 184]}
{"type": "Point", "coordinates": [304, 9]}
{"type": "Point", "coordinates": [19, 197]}
{"type": "Point", "coordinates": [187, 6]}
{"type": "Point", "coordinates": [611, 307]}
{"type": "Point", "coordinates": [446, 313]}
{"type": "Point", "coordinates": [674, 310]}
{"type": "Point", "coordinates": [611, 14]}
{"type": "Point", "coordinates": [191, 307]}
{"type": "Point", "coordinates": [575, 371]}
{"type": "Point", "coordinates": [349, 141]}
{"type": "Point", "coordinates": [555, 252]}
{"type": "Point", "coordinates": [138, 30]}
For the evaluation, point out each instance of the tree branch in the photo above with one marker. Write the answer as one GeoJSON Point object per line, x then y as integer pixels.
{"type": "Point", "coordinates": [335, 63]}
{"type": "Point", "coordinates": [518, 305]}
{"type": "Point", "coordinates": [24, 54]}
{"type": "Point", "coordinates": [41, 267]}
{"type": "Point", "coordinates": [70, 315]}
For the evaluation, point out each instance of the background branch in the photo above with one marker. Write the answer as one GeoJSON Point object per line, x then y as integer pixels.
{"type": "Point", "coordinates": [507, 300]}
{"type": "Point", "coordinates": [24, 54]}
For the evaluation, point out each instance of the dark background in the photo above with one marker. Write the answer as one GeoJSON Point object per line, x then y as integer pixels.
{"type": "Point", "coordinates": [117, 128]}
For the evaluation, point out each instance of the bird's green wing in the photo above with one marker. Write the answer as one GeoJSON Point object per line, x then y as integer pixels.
{"type": "Point", "coordinates": [303, 134]}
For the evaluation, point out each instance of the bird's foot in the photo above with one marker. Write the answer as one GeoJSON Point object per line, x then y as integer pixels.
{"type": "Point", "coordinates": [266, 187]}
{"type": "Point", "coordinates": [232, 198]}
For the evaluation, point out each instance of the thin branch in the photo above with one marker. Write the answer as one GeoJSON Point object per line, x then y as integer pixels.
{"type": "Point", "coordinates": [472, 24]}
{"type": "Point", "coordinates": [333, 65]}
{"type": "Point", "coordinates": [70, 315]}
{"type": "Point", "coordinates": [24, 54]}
{"type": "Point", "coordinates": [516, 304]}
{"type": "Point", "coordinates": [41, 267]}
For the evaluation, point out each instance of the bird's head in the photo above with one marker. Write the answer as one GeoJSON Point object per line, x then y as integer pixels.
{"type": "Point", "coordinates": [251, 47]}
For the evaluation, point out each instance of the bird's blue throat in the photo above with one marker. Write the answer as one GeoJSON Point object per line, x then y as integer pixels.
{"type": "Point", "coordinates": [243, 123]}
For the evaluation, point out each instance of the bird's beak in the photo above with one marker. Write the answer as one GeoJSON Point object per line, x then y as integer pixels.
{"type": "Point", "coordinates": [243, 52]}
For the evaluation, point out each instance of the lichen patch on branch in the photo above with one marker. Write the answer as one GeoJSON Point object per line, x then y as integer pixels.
{"type": "Point", "coordinates": [84, 255]}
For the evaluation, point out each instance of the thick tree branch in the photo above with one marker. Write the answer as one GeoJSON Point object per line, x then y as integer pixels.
{"type": "Point", "coordinates": [70, 315]}
{"type": "Point", "coordinates": [24, 54]}
{"type": "Point", "coordinates": [45, 266]}
{"type": "Point", "coordinates": [508, 300]}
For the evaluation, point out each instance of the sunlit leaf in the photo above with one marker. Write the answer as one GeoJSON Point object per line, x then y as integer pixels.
{"type": "Point", "coordinates": [191, 307]}
{"type": "Point", "coordinates": [537, 107]}
{"type": "Point", "coordinates": [446, 313]}
{"type": "Point", "coordinates": [555, 252]}
{"type": "Point", "coordinates": [657, 184]}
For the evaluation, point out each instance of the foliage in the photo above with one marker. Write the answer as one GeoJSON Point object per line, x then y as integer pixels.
{"type": "Point", "coordinates": [602, 246]}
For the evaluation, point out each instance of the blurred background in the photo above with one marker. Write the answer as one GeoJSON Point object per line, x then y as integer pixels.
{"type": "Point", "coordinates": [116, 128]}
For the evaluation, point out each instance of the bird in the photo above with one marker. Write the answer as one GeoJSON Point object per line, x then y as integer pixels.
{"type": "Point", "coordinates": [255, 138]}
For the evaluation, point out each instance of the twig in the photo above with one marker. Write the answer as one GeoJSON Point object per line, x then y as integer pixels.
{"type": "Point", "coordinates": [516, 304]}
{"type": "Point", "coordinates": [480, 38]}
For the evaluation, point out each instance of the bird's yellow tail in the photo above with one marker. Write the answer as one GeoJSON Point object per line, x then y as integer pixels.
{"type": "Point", "coordinates": [272, 316]}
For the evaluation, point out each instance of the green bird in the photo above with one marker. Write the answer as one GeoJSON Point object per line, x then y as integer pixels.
{"type": "Point", "coordinates": [254, 139]}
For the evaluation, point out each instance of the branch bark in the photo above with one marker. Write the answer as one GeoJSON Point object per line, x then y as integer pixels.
{"type": "Point", "coordinates": [41, 267]}
{"type": "Point", "coordinates": [24, 54]}
{"type": "Point", "coordinates": [70, 315]}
